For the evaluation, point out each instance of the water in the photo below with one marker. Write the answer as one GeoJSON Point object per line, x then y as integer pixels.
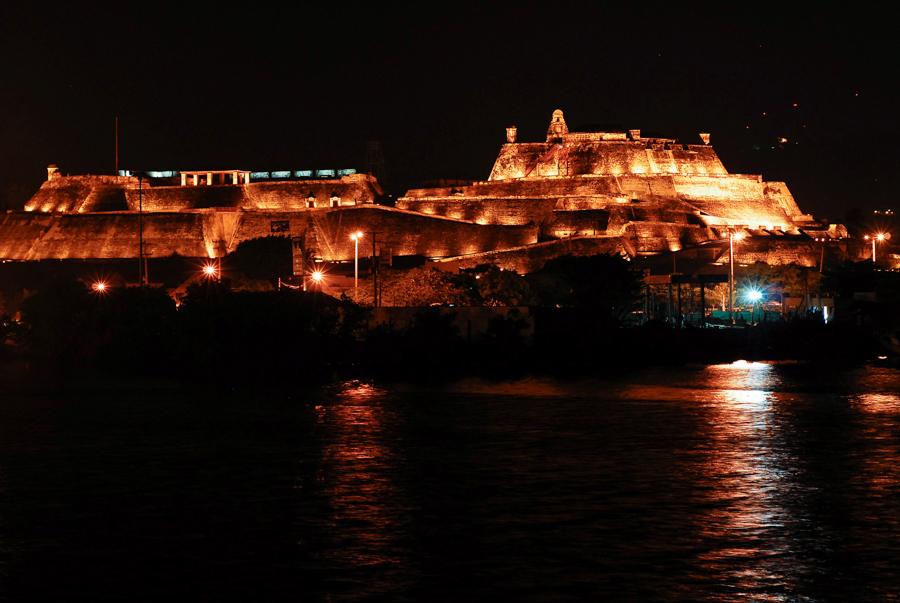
{"type": "Point", "coordinates": [722, 483]}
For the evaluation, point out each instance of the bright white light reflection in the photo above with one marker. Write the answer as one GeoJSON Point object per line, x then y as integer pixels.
{"type": "Point", "coordinates": [742, 364]}
{"type": "Point", "coordinates": [747, 384]}
{"type": "Point", "coordinates": [754, 399]}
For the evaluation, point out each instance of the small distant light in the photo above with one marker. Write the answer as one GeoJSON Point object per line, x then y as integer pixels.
{"type": "Point", "coordinates": [782, 140]}
{"type": "Point", "coordinates": [99, 287]}
{"type": "Point", "coordinates": [882, 357]}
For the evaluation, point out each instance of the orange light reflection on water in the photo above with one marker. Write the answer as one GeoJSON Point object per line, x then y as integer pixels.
{"type": "Point", "coordinates": [878, 469]}
{"type": "Point", "coordinates": [358, 477]}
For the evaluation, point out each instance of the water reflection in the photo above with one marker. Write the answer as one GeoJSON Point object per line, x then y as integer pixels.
{"type": "Point", "coordinates": [733, 482]}
{"type": "Point", "coordinates": [358, 480]}
{"type": "Point", "coordinates": [879, 403]}
{"type": "Point", "coordinates": [877, 473]}
{"type": "Point", "coordinates": [748, 470]}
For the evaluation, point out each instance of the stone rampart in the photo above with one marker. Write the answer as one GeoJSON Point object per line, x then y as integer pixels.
{"type": "Point", "coordinates": [606, 158]}
{"type": "Point", "coordinates": [206, 233]}
{"type": "Point", "coordinates": [85, 194]}
{"type": "Point", "coordinates": [484, 210]}
{"type": "Point", "coordinates": [528, 258]}
{"type": "Point", "coordinates": [108, 235]}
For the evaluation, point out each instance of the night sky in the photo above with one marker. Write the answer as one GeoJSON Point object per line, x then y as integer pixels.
{"type": "Point", "coordinates": [262, 87]}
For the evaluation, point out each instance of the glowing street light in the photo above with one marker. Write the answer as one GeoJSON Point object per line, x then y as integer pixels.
{"type": "Point", "coordinates": [210, 271]}
{"type": "Point", "coordinates": [879, 237]}
{"type": "Point", "coordinates": [754, 295]}
{"type": "Point", "coordinates": [355, 237]}
{"type": "Point", "coordinates": [99, 287]}
{"type": "Point", "coordinates": [317, 277]}
{"type": "Point", "coordinates": [732, 237]}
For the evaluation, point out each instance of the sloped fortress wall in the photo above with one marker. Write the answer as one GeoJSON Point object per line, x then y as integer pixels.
{"type": "Point", "coordinates": [210, 233]}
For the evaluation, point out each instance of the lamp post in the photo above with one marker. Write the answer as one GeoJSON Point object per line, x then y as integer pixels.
{"type": "Point", "coordinates": [732, 237]}
{"type": "Point", "coordinates": [754, 296]}
{"type": "Point", "coordinates": [140, 230]}
{"type": "Point", "coordinates": [879, 237]}
{"type": "Point", "coordinates": [356, 236]}
{"type": "Point", "coordinates": [212, 271]}
{"type": "Point", "coordinates": [317, 277]}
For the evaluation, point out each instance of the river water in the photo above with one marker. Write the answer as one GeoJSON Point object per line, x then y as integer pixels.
{"type": "Point", "coordinates": [731, 482]}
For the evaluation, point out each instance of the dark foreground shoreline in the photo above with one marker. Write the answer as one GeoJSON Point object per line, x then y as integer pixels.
{"type": "Point", "coordinates": [434, 353]}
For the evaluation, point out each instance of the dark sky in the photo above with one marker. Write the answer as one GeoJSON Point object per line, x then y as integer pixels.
{"type": "Point", "coordinates": [261, 87]}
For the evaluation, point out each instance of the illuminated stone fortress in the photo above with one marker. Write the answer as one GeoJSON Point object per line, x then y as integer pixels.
{"type": "Point", "coordinates": [620, 190]}
{"type": "Point", "coordinates": [573, 192]}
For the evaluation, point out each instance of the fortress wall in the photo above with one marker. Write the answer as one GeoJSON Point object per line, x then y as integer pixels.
{"type": "Point", "coordinates": [578, 223]}
{"type": "Point", "coordinates": [112, 235]}
{"type": "Point", "coordinates": [401, 233]}
{"type": "Point", "coordinates": [532, 188]}
{"type": "Point", "coordinates": [294, 195]}
{"type": "Point", "coordinates": [736, 200]}
{"type": "Point", "coordinates": [35, 236]}
{"type": "Point", "coordinates": [77, 193]}
{"type": "Point", "coordinates": [778, 194]}
{"type": "Point", "coordinates": [660, 237]}
{"type": "Point", "coordinates": [736, 189]}
{"type": "Point", "coordinates": [105, 197]}
{"type": "Point", "coordinates": [178, 198]}
{"type": "Point", "coordinates": [284, 196]}
{"type": "Point", "coordinates": [587, 203]}
{"type": "Point", "coordinates": [397, 232]}
{"type": "Point", "coordinates": [59, 199]}
{"type": "Point", "coordinates": [484, 210]}
{"type": "Point", "coordinates": [531, 160]}
{"type": "Point", "coordinates": [19, 231]}
{"type": "Point", "coordinates": [514, 160]}
{"type": "Point", "coordinates": [532, 257]}
{"type": "Point", "coordinates": [622, 214]}
{"type": "Point", "coordinates": [776, 252]}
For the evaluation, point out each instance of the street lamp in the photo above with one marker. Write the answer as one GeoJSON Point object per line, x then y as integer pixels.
{"type": "Point", "coordinates": [880, 237]}
{"type": "Point", "coordinates": [356, 236]}
{"type": "Point", "coordinates": [210, 271]}
{"type": "Point", "coordinates": [732, 237]}
{"type": "Point", "coordinates": [317, 277]}
{"type": "Point", "coordinates": [754, 296]}
{"type": "Point", "coordinates": [99, 287]}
